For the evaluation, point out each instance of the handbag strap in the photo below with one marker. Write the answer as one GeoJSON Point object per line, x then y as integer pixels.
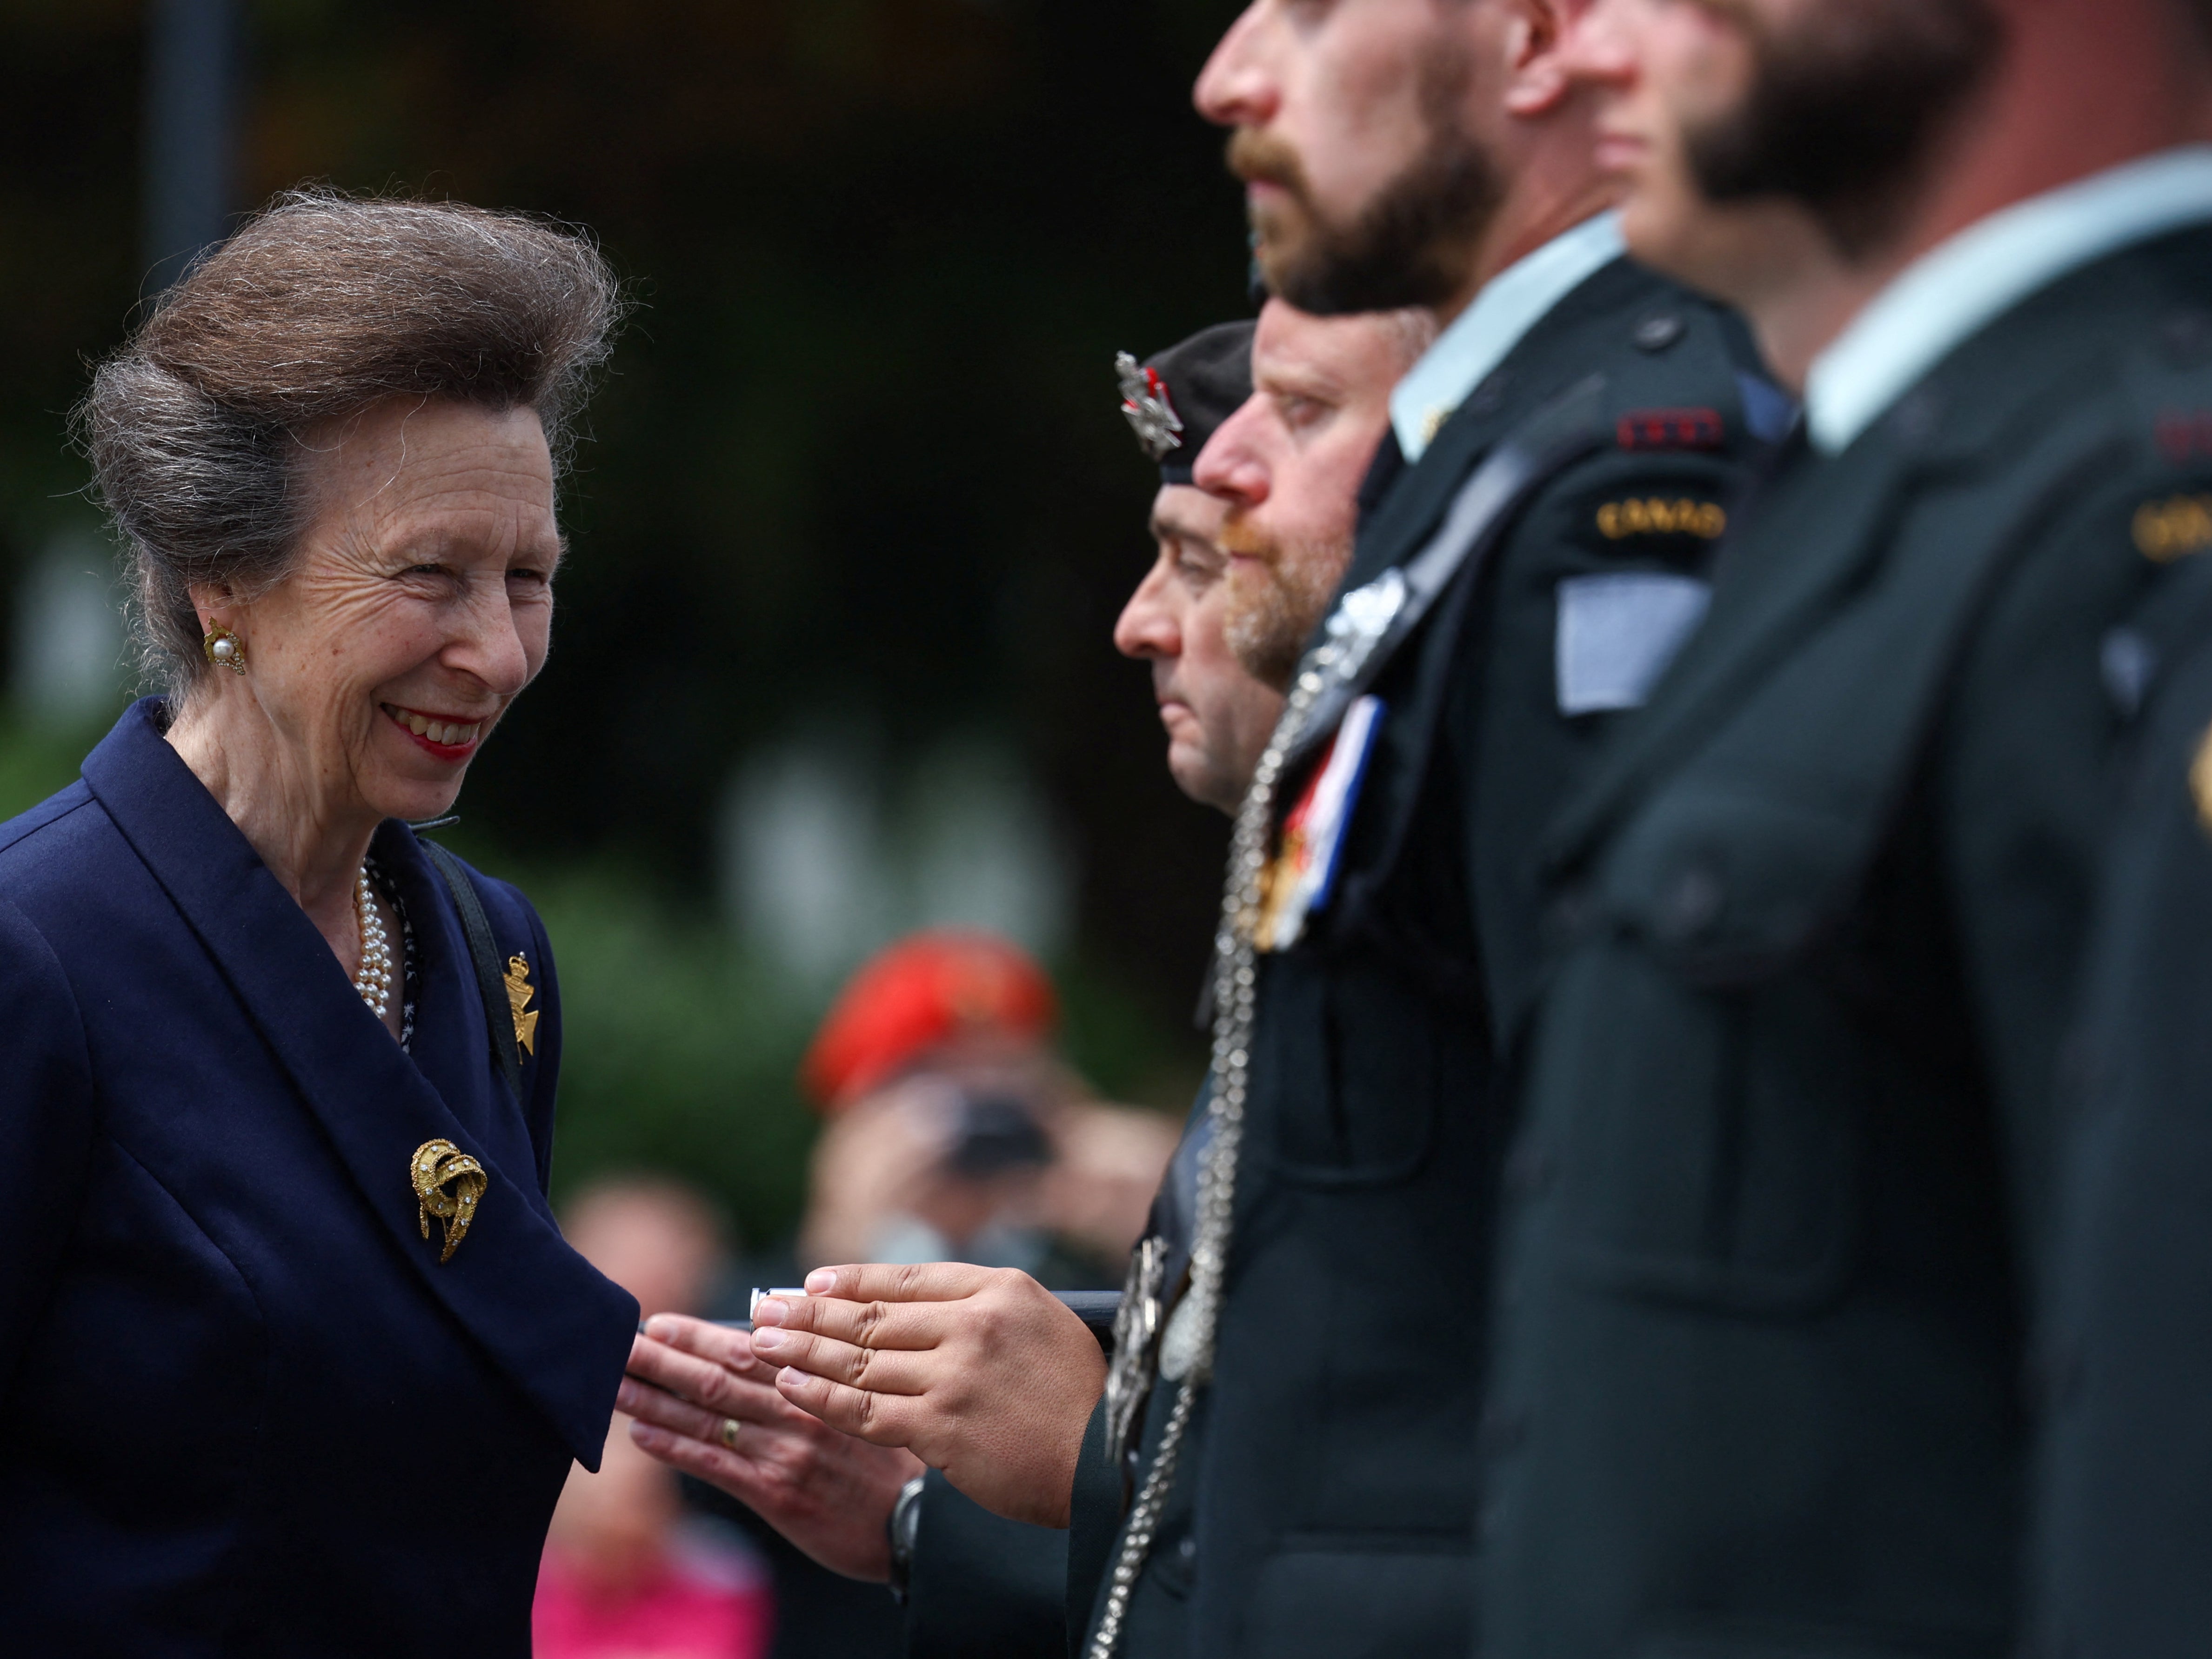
{"type": "Point", "coordinates": [483, 951]}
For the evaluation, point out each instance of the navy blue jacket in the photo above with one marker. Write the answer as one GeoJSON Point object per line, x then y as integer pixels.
{"type": "Point", "coordinates": [246, 1410]}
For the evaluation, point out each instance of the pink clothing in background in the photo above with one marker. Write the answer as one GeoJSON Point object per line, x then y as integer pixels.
{"type": "Point", "coordinates": [707, 1601]}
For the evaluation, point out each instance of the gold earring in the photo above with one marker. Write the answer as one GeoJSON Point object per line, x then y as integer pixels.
{"type": "Point", "coordinates": [225, 649]}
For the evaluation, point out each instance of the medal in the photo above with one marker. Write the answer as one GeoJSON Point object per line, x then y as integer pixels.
{"type": "Point", "coordinates": [1136, 1348]}
{"type": "Point", "coordinates": [1304, 874]}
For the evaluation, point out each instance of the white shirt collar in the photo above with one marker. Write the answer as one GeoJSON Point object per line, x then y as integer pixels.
{"type": "Point", "coordinates": [1952, 292]}
{"type": "Point", "coordinates": [1510, 304]}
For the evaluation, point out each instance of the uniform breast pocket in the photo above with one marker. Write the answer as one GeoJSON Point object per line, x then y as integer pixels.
{"type": "Point", "coordinates": [1346, 1074]}
{"type": "Point", "coordinates": [1708, 1146]}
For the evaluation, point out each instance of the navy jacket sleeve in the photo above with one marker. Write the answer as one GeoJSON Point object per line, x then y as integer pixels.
{"type": "Point", "coordinates": [45, 1128]}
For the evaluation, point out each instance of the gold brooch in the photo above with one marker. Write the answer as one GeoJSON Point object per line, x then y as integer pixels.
{"type": "Point", "coordinates": [440, 1164]}
{"type": "Point", "coordinates": [518, 992]}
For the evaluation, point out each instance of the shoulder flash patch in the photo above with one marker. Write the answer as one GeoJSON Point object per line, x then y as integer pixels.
{"type": "Point", "coordinates": [2173, 527]}
{"type": "Point", "coordinates": [1671, 428]}
{"type": "Point", "coordinates": [1618, 520]}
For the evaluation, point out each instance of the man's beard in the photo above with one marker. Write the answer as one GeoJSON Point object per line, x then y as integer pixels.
{"type": "Point", "coordinates": [1845, 108]}
{"type": "Point", "coordinates": [1279, 590]}
{"type": "Point", "coordinates": [1413, 245]}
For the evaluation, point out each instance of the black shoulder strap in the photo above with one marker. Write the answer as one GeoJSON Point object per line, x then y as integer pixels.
{"type": "Point", "coordinates": [483, 951]}
{"type": "Point", "coordinates": [1371, 622]}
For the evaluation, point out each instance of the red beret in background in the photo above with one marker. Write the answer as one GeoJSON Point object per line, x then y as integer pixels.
{"type": "Point", "coordinates": [914, 994]}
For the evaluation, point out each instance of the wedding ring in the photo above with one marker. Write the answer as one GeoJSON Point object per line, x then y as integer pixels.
{"type": "Point", "coordinates": [729, 1427]}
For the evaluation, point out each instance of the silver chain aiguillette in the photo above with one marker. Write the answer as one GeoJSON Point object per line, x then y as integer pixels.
{"type": "Point", "coordinates": [1235, 982]}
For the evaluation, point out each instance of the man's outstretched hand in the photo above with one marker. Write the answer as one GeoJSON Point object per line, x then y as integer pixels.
{"type": "Point", "coordinates": [982, 1372]}
{"type": "Point", "coordinates": [829, 1493]}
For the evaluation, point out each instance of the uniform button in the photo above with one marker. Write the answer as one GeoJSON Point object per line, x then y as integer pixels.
{"type": "Point", "coordinates": [1694, 904]}
{"type": "Point", "coordinates": [1658, 331]}
{"type": "Point", "coordinates": [1919, 415]}
{"type": "Point", "coordinates": [1188, 1550]}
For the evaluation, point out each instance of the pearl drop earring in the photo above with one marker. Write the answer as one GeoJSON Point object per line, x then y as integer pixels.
{"type": "Point", "coordinates": [225, 649]}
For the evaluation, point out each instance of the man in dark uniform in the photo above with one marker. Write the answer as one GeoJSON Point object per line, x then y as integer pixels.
{"type": "Point", "coordinates": [1774, 1360]}
{"type": "Point", "coordinates": [974, 1584]}
{"type": "Point", "coordinates": [1539, 526]}
{"type": "Point", "coordinates": [2126, 1489]}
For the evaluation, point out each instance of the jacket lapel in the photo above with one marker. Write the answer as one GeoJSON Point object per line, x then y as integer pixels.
{"type": "Point", "coordinates": [559, 1330]}
{"type": "Point", "coordinates": [1416, 497]}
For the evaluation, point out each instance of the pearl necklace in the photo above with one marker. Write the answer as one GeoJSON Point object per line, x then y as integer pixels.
{"type": "Point", "coordinates": [373, 981]}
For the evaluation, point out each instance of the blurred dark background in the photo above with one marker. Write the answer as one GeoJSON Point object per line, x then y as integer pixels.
{"type": "Point", "coordinates": [853, 525]}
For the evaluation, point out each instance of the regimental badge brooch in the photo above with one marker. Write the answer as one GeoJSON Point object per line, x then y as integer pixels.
{"type": "Point", "coordinates": [449, 1184]}
{"type": "Point", "coordinates": [1146, 403]}
{"type": "Point", "coordinates": [519, 990]}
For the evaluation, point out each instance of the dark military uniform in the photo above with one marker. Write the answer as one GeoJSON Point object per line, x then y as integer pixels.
{"type": "Point", "coordinates": [2123, 1570]}
{"type": "Point", "coordinates": [1781, 1207]}
{"type": "Point", "coordinates": [1323, 1500]}
{"type": "Point", "coordinates": [980, 1586]}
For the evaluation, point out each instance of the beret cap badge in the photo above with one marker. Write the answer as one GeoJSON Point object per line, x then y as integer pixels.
{"type": "Point", "coordinates": [1147, 407]}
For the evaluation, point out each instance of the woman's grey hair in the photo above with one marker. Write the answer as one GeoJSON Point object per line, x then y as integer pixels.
{"type": "Point", "coordinates": [319, 308]}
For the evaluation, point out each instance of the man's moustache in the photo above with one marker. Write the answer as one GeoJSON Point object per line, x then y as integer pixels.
{"type": "Point", "coordinates": [1259, 160]}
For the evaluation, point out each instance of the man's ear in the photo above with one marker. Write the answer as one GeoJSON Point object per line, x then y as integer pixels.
{"type": "Point", "coordinates": [1536, 79]}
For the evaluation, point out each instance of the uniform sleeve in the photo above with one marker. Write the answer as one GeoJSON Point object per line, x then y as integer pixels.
{"type": "Point", "coordinates": [1599, 587]}
{"type": "Point", "coordinates": [982, 1587]}
{"type": "Point", "coordinates": [1095, 1515]}
{"type": "Point", "coordinates": [2125, 1354]}
{"type": "Point", "coordinates": [45, 1128]}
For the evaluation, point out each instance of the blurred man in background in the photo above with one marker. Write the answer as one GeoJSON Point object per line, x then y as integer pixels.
{"type": "Point", "coordinates": [1838, 1241]}
{"type": "Point", "coordinates": [627, 1574]}
{"type": "Point", "coordinates": [958, 1133]}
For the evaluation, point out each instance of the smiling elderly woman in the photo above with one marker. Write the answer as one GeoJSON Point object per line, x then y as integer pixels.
{"type": "Point", "coordinates": [295, 1357]}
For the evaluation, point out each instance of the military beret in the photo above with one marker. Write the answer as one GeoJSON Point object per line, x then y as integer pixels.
{"type": "Point", "coordinates": [1176, 398]}
{"type": "Point", "coordinates": [913, 995]}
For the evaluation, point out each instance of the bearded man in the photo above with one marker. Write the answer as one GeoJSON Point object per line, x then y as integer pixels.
{"type": "Point", "coordinates": [1537, 529]}
{"type": "Point", "coordinates": [1214, 630]}
{"type": "Point", "coordinates": [1826, 1326]}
